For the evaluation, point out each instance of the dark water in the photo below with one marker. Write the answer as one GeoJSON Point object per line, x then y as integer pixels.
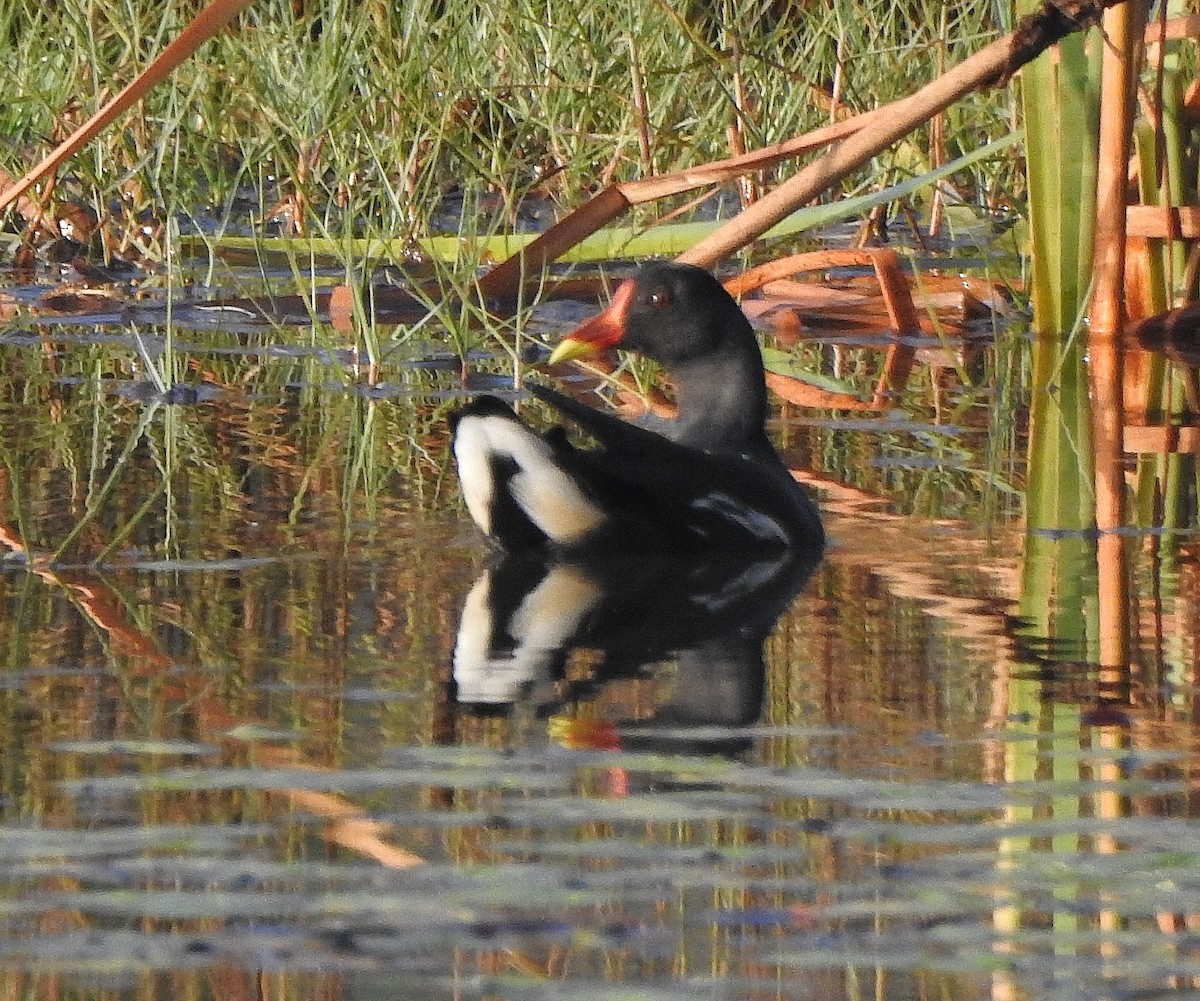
{"type": "Point", "coordinates": [246, 748]}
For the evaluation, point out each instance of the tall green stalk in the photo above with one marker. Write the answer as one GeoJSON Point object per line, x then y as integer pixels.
{"type": "Point", "coordinates": [1059, 588]}
{"type": "Point", "coordinates": [1060, 99]}
{"type": "Point", "coordinates": [1061, 105]}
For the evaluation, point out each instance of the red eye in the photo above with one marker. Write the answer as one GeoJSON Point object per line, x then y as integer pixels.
{"type": "Point", "coordinates": [659, 297]}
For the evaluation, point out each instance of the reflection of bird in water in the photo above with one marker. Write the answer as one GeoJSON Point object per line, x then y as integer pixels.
{"type": "Point", "coordinates": [708, 613]}
{"type": "Point", "coordinates": [710, 480]}
{"type": "Point", "coordinates": [516, 627]}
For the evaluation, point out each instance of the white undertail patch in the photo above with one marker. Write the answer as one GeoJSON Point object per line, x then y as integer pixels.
{"type": "Point", "coordinates": [547, 495]}
{"type": "Point", "coordinates": [474, 469]}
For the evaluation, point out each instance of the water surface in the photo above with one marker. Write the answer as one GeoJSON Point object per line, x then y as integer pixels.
{"type": "Point", "coordinates": [241, 747]}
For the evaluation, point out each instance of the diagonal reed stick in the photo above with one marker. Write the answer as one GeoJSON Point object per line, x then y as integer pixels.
{"type": "Point", "coordinates": [862, 138]}
{"type": "Point", "coordinates": [206, 24]}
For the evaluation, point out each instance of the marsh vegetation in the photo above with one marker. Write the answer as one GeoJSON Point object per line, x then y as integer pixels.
{"type": "Point", "coordinates": [232, 748]}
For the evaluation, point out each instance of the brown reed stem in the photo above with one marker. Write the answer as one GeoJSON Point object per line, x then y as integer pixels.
{"type": "Point", "coordinates": [1123, 30]}
{"type": "Point", "coordinates": [991, 65]}
{"type": "Point", "coordinates": [206, 24]}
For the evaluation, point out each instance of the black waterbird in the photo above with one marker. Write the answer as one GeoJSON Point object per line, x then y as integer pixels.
{"type": "Point", "coordinates": [710, 480]}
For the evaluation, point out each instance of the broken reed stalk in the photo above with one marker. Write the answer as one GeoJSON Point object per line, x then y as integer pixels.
{"type": "Point", "coordinates": [897, 297]}
{"type": "Point", "coordinates": [206, 24]}
{"type": "Point", "coordinates": [1173, 29]}
{"type": "Point", "coordinates": [1124, 27]}
{"type": "Point", "coordinates": [993, 64]}
{"type": "Point", "coordinates": [864, 136]}
{"type": "Point", "coordinates": [614, 201]}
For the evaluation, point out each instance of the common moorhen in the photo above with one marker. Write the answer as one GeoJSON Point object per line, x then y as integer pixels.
{"type": "Point", "coordinates": [708, 480]}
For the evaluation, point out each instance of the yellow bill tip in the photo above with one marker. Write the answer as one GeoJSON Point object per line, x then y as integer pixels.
{"type": "Point", "coordinates": [569, 349]}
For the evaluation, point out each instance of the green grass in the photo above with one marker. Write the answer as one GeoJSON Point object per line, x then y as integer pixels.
{"type": "Point", "coordinates": [379, 116]}
{"type": "Point", "coordinates": [372, 111]}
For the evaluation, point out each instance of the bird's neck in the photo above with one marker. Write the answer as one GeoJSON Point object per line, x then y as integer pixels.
{"type": "Point", "coordinates": [722, 401]}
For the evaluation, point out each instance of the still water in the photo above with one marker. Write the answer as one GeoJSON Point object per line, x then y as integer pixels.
{"type": "Point", "coordinates": [254, 739]}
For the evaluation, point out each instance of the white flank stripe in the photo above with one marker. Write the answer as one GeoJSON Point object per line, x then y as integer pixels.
{"type": "Point", "coordinates": [755, 522]}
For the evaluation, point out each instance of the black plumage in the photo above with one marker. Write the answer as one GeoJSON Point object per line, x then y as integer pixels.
{"type": "Point", "coordinates": [710, 480]}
